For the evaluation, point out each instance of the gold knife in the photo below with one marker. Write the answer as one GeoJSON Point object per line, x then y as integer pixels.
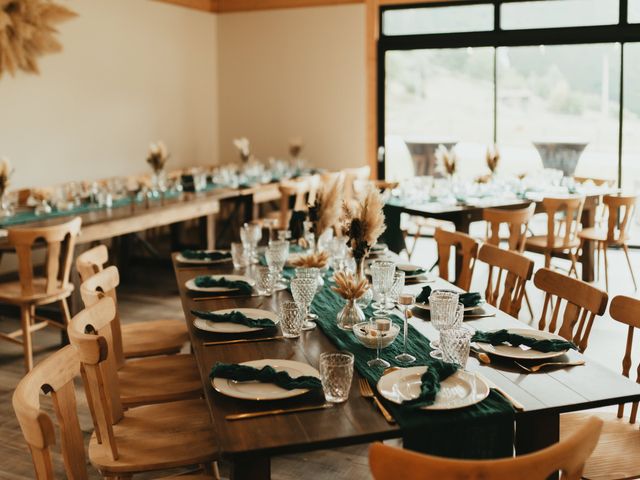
{"type": "Point", "coordinates": [280, 411]}
{"type": "Point", "coordinates": [220, 297]}
{"type": "Point", "coordinates": [241, 340]}
{"type": "Point", "coordinates": [516, 404]}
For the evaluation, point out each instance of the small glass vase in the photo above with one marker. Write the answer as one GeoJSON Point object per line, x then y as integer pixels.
{"type": "Point", "coordinates": [158, 181]}
{"type": "Point", "coordinates": [367, 297]}
{"type": "Point", "coordinates": [350, 315]}
{"type": "Point", "coordinates": [6, 208]}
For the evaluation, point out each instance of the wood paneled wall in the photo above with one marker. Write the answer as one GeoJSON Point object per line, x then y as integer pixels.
{"type": "Point", "coordinates": [223, 6]}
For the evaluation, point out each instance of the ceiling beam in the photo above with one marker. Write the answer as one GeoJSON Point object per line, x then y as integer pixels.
{"type": "Point", "coordinates": [204, 5]}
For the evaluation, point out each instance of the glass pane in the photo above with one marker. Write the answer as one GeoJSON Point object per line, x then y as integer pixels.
{"type": "Point", "coordinates": [558, 108]}
{"type": "Point", "coordinates": [558, 13]}
{"type": "Point", "coordinates": [437, 97]}
{"type": "Point", "coordinates": [631, 121]}
{"type": "Point", "coordinates": [414, 21]}
{"type": "Point", "coordinates": [633, 11]}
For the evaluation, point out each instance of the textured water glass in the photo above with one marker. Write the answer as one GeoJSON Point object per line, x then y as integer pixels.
{"type": "Point", "coordinates": [276, 255]}
{"type": "Point", "coordinates": [290, 319]}
{"type": "Point", "coordinates": [239, 255]}
{"type": "Point", "coordinates": [311, 272]}
{"type": "Point", "coordinates": [396, 288]}
{"type": "Point", "coordinates": [443, 305]}
{"type": "Point", "coordinates": [382, 274]}
{"type": "Point", "coordinates": [265, 280]}
{"type": "Point", "coordinates": [336, 373]}
{"type": "Point", "coordinates": [303, 291]}
{"type": "Point", "coordinates": [455, 343]}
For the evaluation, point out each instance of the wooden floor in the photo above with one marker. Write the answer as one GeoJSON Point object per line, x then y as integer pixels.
{"type": "Point", "coordinates": [155, 296]}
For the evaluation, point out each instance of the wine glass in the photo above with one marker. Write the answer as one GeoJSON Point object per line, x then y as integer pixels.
{"type": "Point", "coordinates": [445, 312]}
{"type": "Point", "coordinates": [396, 288]}
{"type": "Point", "coordinates": [303, 291]}
{"type": "Point", "coordinates": [380, 325]}
{"type": "Point", "coordinates": [311, 272]}
{"type": "Point", "coordinates": [382, 274]}
{"type": "Point", "coordinates": [406, 301]}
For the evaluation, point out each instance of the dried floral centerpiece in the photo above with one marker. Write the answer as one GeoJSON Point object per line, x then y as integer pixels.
{"type": "Point", "coordinates": [244, 148]}
{"type": "Point", "coordinates": [157, 159]}
{"type": "Point", "coordinates": [493, 159]}
{"type": "Point", "coordinates": [351, 288]}
{"type": "Point", "coordinates": [312, 260]}
{"type": "Point", "coordinates": [324, 212]}
{"type": "Point", "coordinates": [447, 161]}
{"type": "Point", "coordinates": [5, 177]}
{"type": "Point", "coordinates": [295, 148]}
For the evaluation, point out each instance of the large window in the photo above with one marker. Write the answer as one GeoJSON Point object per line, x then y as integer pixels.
{"type": "Point", "coordinates": [552, 82]}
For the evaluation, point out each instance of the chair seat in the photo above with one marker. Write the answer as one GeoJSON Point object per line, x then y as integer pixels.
{"type": "Point", "coordinates": [156, 437]}
{"type": "Point", "coordinates": [11, 292]}
{"type": "Point", "coordinates": [538, 243]}
{"type": "Point", "coordinates": [159, 379]}
{"type": "Point", "coordinates": [156, 337]}
{"type": "Point", "coordinates": [599, 235]}
{"type": "Point", "coordinates": [617, 455]}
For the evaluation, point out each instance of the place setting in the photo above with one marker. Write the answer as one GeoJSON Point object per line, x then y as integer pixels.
{"type": "Point", "coordinates": [190, 258]}
{"type": "Point", "coordinates": [473, 305]}
{"type": "Point", "coordinates": [220, 286]}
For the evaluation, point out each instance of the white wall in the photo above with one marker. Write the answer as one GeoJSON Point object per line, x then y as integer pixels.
{"type": "Point", "coordinates": [132, 71]}
{"type": "Point", "coordinates": [296, 72]}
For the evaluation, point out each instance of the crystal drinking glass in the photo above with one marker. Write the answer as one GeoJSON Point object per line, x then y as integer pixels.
{"type": "Point", "coordinates": [276, 255]}
{"type": "Point", "coordinates": [290, 319]}
{"type": "Point", "coordinates": [311, 272]}
{"type": "Point", "coordinates": [455, 343]}
{"type": "Point", "coordinates": [396, 288]}
{"type": "Point", "coordinates": [239, 255]}
{"type": "Point", "coordinates": [265, 281]}
{"type": "Point", "coordinates": [303, 291]}
{"type": "Point", "coordinates": [336, 373]}
{"type": "Point", "coordinates": [444, 314]}
{"type": "Point", "coordinates": [382, 274]}
{"type": "Point", "coordinates": [406, 301]}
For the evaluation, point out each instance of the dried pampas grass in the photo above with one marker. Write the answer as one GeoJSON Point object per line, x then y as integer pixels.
{"type": "Point", "coordinates": [27, 32]}
{"type": "Point", "coordinates": [5, 174]}
{"type": "Point", "coordinates": [447, 160]}
{"type": "Point", "coordinates": [363, 223]}
{"type": "Point", "coordinates": [325, 211]}
{"type": "Point", "coordinates": [348, 286]}
{"type": "Point", "coordinates": [317, 260]}
{"type": "Point", "coordinates": [493, 158]}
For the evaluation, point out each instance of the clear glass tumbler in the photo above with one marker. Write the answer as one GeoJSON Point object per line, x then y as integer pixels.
{"type": "Point", "coordinates": [443, 306]}
{"type": "Point", "coordinates": [290, 319]}
{"type": "Point", "coordinates": [239, 255]}
{"type": "Point", "coordinates": [336, 373]}
{"type": "Point", "coordinates": [303, 291]}
{"type": "Point", "coordinates": [265, 280]}
{"type": "Point", "coordinates": [455, 343]}
{"type": "Point", "coordinates": [382, 274]}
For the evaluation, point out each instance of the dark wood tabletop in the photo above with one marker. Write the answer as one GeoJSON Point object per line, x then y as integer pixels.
{"type": "Point", "coordinates": [544, 395]}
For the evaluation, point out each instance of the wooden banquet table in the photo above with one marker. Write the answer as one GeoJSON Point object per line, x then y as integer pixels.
{"type": "Point", "coordinates": [250, 443]}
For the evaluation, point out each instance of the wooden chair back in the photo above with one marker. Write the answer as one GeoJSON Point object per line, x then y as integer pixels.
{"type": "Point", "coordinates": [598, 182]}
{"type": "Point", "coordinates": [60, 243]}
{"type": "Point", "coordinates": [351, 177]}
{"type": "Point", "coordinates": [517, 221]}
{"type": "Point", "coordinates": [90, 334]}
{"type": "Point", "coordinates": [92, 261]}
{"type": "Point", "coordinates": [516, 269]}
{"type": "Point", "coordinates": [54, 375]}
{"type": "Point", "coordinates": [103, 285]}
{"type": "Point", "coordinates": [627, 310]}
{"type": "Point", "coordinates": [620, 210]}
{"type": "Point", "coordinates": [466, 251]}
{"type": "Point", "coordinates": [564, 217]}
{"type": "Point", "coordinates": [567, 456]}
{"type": "Point", "coordinates": [583, 302]}
{"type": "Point", "coordinates": [299, 190]}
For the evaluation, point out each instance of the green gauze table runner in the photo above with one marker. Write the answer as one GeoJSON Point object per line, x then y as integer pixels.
{"type": "Point", "coordinates": [484, 430]}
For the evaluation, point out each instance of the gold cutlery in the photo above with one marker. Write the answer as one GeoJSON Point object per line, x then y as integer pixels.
{"type": "Point", "coordinates": [242, 340]}
{"type": "Point", "coordinates": [367, 392]}
{"type": "Point", "coordinates": [220, 297]}
{"type": "Point", "coordinates": [280, 411]}
{"type": "Point", "coordinates": [535, 368]}
{"type": "Point", "coordinates": [516, 404]}
{"type": "Point", "coordinates": [482, 356]}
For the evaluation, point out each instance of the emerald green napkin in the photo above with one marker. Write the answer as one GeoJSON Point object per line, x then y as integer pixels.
{"type": "Point", "coordinates": [437, 371]}
{"type": "Point", "coordinates": [266, 374]}
{"type": "Point", "coordinates": [207, 281]}
{"type": "Point", "coordinates": [235, 317]}
{"type": "Point", "coordinates": [202, 255]}
{"type": "Point", "coordinates": [503, 336]}
{"type": "Point", "coordinates": [468, 299]}
{"type": "Point", "coordinates": [410, 273]}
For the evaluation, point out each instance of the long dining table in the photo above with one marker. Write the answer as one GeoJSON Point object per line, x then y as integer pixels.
{"type": "Point", "coordinates": [249, 444]}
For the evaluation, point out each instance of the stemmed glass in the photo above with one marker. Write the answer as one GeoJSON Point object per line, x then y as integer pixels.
{"type": "Point", "coordinates": [446, 312]}
{"type": "Point", "coordinates": [406, 301]}
{"type": "Point", "coordinates": [382, 273]}
{"type": "Point", "coordinates": [311, 272]}
{"type": "Point", "coordinates": [396, 289]}
{"type": "Point", "coordinates": [276, 256]}
{"type": "Point", "coordinates": [381, 325]}
{"type": "Point", "coordinates": [250, 235]}
{"type": "Point", "coordinates": [303, 291]}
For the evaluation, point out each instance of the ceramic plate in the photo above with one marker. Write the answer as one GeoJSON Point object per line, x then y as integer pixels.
{"type": "Point", "coordinates": [191, 284]}
{"type": "Point", "coordinates": [195, 261]}
{"type": "Point", "coordinates": [523, 353]}
{"type": "Point", "coordinates": [230, 327]}
{"type": "Point", "coordinates": [426, 306]}
{"type": "Point", "coordinates": [460, 390]}
{"type": "Point", "coordinates": [265, 391]}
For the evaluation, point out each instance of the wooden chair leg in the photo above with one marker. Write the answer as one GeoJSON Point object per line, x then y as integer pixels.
{"type": "Point", "coordinates": [633, 277]}
{"type": "Point", "coordinates": [25, 320]}
{"type": "Point", "coordinates": [606, 267]}
{"type": "Point", "coordinates": [574, 264]}
{"type": "Point", "coordinates": [528, 302]}
{"type": "Point", "coordinates": [598, 269]}
{"type": "Point", "coordinates": [66, 315]}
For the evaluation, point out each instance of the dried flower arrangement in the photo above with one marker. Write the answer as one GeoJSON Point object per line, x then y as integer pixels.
{"type": "Point", "coordinates": [317, 260]}
{"type": "Point", "coordinates": [295, 147]}
{"type": "Point", "coordinates": [364, 223]}
{"type": "Point", "coordinates": [348, 286]}
{"type": "Point", "coordinates": [158, 156]}
{"type": "Point", "coordinates": [5, 175]}
{"type": "Point", "coordinates": [41, 194]}
{"type": "Point", "coordinates": [493, 158]}
{"type": "Point", "coordinates": [324, 213]}
{"type": "Point", "coordinates": [447, 160]}
{"type": "Point", "coordinates": [27, 32]}
{"type": "Point", "coordinates": [244, 148]}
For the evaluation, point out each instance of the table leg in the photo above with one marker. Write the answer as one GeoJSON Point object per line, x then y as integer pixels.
{"type": "Point", "coordinates": [253, 468]}
{"type": "Point", "coordinates": [588, 220]}
{"type": "Point", "coordinates": [211, 232]}
{"type": "Point", "coordinates": [537, 431]}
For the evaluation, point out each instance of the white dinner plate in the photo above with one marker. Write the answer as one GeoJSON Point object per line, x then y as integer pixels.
{"type": "Point", "coordinates": [426, 306]}
{"type": "Point", "coordinates": [191, 284]}
{"type": "Point", "coordinates": [265, 391]}
{"type": "Point", "coordinates": [197, 261]}
{"type": "Point", "coordinates": [230, 327]}
{"type": "Point", "coordinates": [460, 390]}
{"type": "Point", "coordinates": [522, 352]}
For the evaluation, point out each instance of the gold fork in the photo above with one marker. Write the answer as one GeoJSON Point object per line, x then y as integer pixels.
{"type": "Point", "coordinates": [535, 368]}
{"type": "Point", "coordinates": [367, 392]}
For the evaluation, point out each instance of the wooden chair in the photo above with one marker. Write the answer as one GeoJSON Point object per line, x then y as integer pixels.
{"type": "Point", "coordinates": [466, 249]}
{"type": "Point", "coordinates": [148, 380]}
{"type": "Point", "coordinates": [351, 178]}
{"type": "Point", "coordinates": [563, 224]}
{"type": "Point", "coordinates": [55, 375]}
{"type": "Point", "coordinates": [583, 302]}
{"type": "Point", "coordinates": [139, 339]}
{"type": "Point", "coordinates": [146, 438]}
{"type": "Point", "coordinates": [516, 220]}
{"type": "Point", "coordinates": [517, 270]}
{"type": "Point", "coordinates": [35, 289]}
{"type": "Point", "coordinates": [567, 456]}
{"type": "Point", "coordinates": [617, 455]}
{"type": "Point", "coordinates": [620, 209]}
